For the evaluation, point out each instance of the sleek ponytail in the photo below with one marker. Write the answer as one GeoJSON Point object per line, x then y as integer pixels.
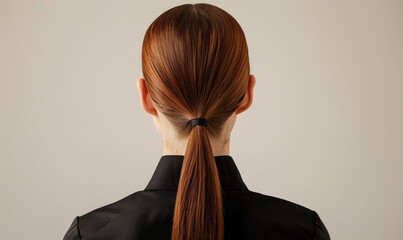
{"type": "Point", "coordinates": [195, 64]}
{"type": "Point", "coordinates": [199, 192]}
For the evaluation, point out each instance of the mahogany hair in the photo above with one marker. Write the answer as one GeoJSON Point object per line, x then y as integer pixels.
{"type": "Point", "coordinates": [196, 65]}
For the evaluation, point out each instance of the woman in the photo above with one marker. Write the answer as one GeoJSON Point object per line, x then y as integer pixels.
{"type": "Point", "coordinates": [196, 81]}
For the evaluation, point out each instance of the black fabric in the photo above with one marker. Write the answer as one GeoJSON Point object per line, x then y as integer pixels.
{"type": "Point", "coordinates": [147, 214]}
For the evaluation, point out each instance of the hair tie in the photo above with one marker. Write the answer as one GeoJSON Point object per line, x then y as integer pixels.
{"type": "Point", "coordinates": [198, 121]}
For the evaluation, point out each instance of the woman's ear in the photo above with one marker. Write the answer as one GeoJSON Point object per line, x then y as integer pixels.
{"type": "Point", "coordinates": [145, 97]}
{"type": "Point", "coordinates": [248, 99]}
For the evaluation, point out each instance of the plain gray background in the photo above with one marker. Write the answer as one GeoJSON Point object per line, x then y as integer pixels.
{"type": "Point", "coordinates": [325, 129]}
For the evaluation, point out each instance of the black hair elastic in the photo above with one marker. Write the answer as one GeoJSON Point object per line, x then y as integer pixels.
{"type": "Point", "coordinates": [198, 121]}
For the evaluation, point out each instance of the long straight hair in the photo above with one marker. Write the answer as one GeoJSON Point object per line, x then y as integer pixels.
{"type": "Point", "coordinates": [196, 65]}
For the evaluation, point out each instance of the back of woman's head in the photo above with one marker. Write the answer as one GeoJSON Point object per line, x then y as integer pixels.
{"type": "Point", "coordinates": [195, 64]}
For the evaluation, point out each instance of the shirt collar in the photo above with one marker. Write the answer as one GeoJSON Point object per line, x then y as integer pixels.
{"type": "Point", "coordinates": [167, 173]}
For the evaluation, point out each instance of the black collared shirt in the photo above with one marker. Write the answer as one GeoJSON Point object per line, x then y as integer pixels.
{"type": "Point", "coordinates": [147, 214]}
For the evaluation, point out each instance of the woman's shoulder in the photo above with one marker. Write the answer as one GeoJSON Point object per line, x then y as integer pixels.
{"type": "Point", "coordinates": [252, 199]}
{"type": "Point", "coordinates": [265, 213]}
{"type": "Point", "coordinates": [131, 204]}
{"type": "Point", "coordinates": [127, 209]}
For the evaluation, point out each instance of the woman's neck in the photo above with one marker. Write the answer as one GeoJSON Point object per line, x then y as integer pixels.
{"type": "Point", "coordinates": [178, 146]}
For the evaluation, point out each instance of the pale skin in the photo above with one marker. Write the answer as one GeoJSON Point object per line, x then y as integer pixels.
{"type": "Point", "coordinates": [172, 143]}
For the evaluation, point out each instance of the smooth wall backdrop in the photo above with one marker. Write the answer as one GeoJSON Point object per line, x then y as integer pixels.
{"type": "Point", "coordinates": [325, 129]}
